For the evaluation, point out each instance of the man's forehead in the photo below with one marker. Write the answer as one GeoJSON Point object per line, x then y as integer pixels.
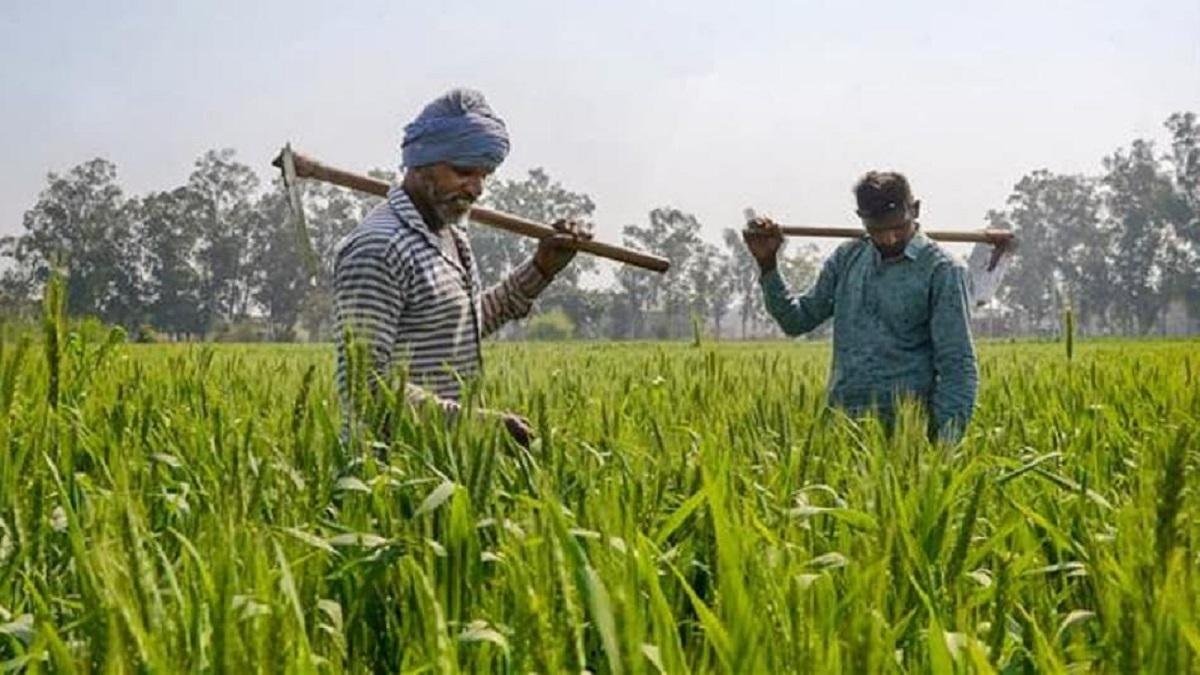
{"type": "Point", "coordinates": [461, 169]}
{"type": "Point", "coordinates": [468, 169]}
{"type": "Point", "coordinates": [891, 221]}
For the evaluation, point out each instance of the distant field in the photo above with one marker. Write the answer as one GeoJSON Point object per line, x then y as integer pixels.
{"type": "Point", "coordinates": [180, 508]}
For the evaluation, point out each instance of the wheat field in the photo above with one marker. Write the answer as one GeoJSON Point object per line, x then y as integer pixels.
{"type": "Point", "coordinates": [174, 508]}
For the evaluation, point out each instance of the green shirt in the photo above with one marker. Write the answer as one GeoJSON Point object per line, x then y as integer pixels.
{"type": "Point", "coordinates": [900, 327]}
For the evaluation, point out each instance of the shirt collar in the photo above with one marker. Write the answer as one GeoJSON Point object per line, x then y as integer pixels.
{"type": "Point", "coordinates": [407, 212]}
{"type": "Point", "coordinates": [919, 242]}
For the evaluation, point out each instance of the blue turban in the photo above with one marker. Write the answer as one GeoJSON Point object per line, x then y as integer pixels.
{"type": "Point", "coordinates": [458, 128]}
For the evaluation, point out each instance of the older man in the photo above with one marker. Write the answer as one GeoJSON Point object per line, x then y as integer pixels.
{"type": "Point", "coordinates": [899, 308]}
{"type": "Point", "coordinates": [405, 279]}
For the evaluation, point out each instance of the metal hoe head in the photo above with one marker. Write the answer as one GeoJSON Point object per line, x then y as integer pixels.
{"type": "Point", "coordinates": [291, 184]}
{"type": "Point", "coordinates": [986, 267]}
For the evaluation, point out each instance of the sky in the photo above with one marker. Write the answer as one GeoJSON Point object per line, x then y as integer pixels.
{"type": "Point", "coordinates": [703, 106]}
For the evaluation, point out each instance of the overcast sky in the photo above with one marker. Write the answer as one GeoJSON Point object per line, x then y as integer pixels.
{"type": "Point", "coordinates": [707, 107]}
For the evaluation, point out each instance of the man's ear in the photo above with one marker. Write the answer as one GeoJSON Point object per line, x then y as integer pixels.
{"type": "Point", "coordinates": [416, 174]}
{"type": "Point", "coordinates": [916, 209]}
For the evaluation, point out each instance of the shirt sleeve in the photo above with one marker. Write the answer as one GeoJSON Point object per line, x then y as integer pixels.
{"type": "Point", "coordinates": [799, 314]}
{"type": "Point", "coordinates": [957, 377]}
{"type": "Point", "coordinates": [513, 297]}
{"type": "Point", "coordinates": [368, 302]}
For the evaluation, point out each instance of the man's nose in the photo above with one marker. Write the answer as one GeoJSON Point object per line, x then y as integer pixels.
{"type": "Point", "coordinates": [473, 186]}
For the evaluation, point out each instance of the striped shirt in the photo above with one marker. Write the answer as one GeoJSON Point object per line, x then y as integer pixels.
{"type": "Point", "coordinates": [412, 302]}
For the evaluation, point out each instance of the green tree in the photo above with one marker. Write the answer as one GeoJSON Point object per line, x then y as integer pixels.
{"type": "Point", "coordinates": [537, 198]}
{"type": "Point", "coordinates": [743, 279]}
{"type": "Point", "coordinates": [1184, 163]}
{"type": "Point", "coordinates": [540, 199]}
{"type": "Point", "coordinates": [674, 235]}
{"type": "Point", "coordinates": [83, 224]}
{"type": "Point", "coordinates": [707, 275]}
{"type": "Point", "coordinates": [225, 188]}
{"type": "Point", "coordinates": [281, 283]}
{"type": "Point", "coordinates": [168, 240]}
{"type": "Point", "coordinates": [636, 293]}
{"type": "Point", "coordinates": [1140, 200]}
{"type": "Point", "coordinates": [1065, 249]}
{"type": "Point", "coordinates": [1083, 241]}
{"type": "Point", "coordinates": [18, 283]}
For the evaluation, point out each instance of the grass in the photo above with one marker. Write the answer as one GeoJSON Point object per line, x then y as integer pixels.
{"type": "Point", "coordinates": [186, 508]}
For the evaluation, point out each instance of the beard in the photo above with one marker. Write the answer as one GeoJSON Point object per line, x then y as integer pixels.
{"type": "Point", "coordinates": [891, 251]}
{"type": "Point", "coordinates": [453, 211]}
{"type": "Point", "coordinates": [450, 208]}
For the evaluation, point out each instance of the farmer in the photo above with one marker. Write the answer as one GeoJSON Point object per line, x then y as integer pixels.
{"type": "Point", "coordinates": [899, 308]}
{"type": "Point", "coordinates": [405, 280]}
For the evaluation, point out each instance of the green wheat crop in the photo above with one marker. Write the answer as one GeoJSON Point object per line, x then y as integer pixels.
{"type": "Point", "coordinates": [187, 508]}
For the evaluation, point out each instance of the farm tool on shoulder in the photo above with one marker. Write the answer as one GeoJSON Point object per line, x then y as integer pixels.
{"type": "Point", "coordinates": [296, 166]}
{"type": "Point", "coordinates": [987, 263]}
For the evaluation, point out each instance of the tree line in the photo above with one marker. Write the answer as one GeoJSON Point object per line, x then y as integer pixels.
{"type": "Point", "coordinates": [1120, 248]}
{"type": "Point", "coordinates": [217, 257]}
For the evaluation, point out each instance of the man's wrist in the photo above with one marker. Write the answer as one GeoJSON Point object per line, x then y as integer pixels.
{"type": "Point", "coordinates": [541, 268]}
{"type": "Point", "coordinates": [765, 267]}
{"type": "Point", "coordinates": [528, 280]}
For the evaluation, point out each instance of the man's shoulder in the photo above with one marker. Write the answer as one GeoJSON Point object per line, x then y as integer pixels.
{"type": "Point", "coordinates": [847, 250]}
{"type": "Point", "coordinates": [937, 257]}
{"type": "Point", "coordinates": [380, 233]}
{"type": "Point", "coordinates": [851, 245]}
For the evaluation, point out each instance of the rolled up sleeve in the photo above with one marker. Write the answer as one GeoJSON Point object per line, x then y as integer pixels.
{"type": "Point", "coordinates": [513, 297]}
